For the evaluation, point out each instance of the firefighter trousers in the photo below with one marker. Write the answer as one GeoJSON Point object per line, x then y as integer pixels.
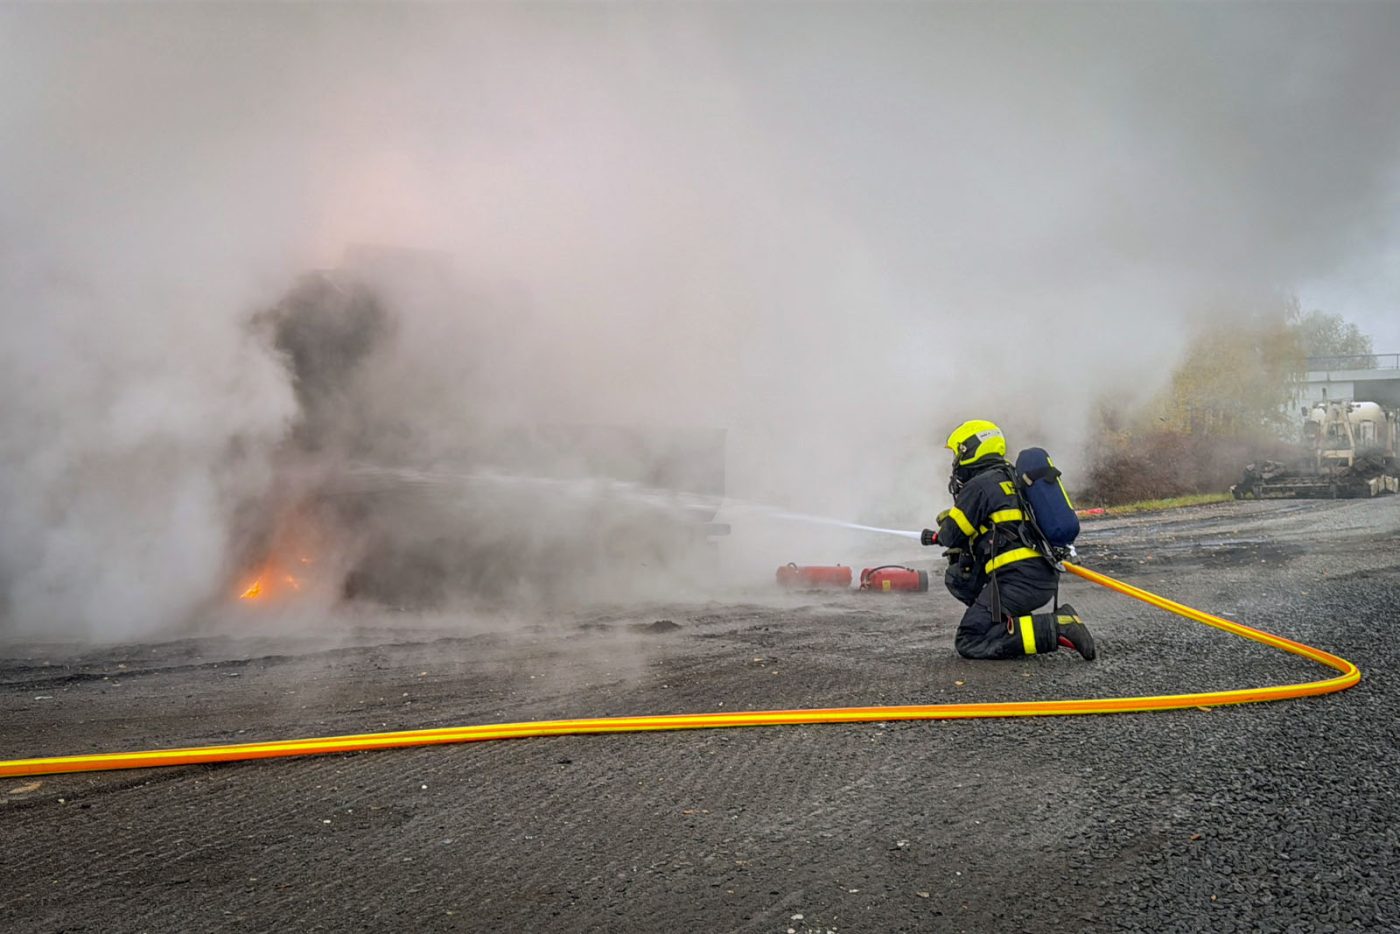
{"type": "Point", "coordinates": [1023, 588]}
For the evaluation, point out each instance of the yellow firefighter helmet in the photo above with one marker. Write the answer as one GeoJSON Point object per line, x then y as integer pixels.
{"type": "Point", "coordinates": [971, 441]}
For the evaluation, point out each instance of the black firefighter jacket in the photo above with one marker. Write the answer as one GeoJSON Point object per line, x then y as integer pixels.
{"type": "Point", "coordinates": [986, 521]}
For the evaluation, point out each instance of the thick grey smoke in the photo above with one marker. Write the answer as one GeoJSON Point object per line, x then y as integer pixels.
{"type": "Point", "coordinates": [833, 230]}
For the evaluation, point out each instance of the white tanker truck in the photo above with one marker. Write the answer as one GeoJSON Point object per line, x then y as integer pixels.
{"type": "Point", "coordinates": [1353, 447]}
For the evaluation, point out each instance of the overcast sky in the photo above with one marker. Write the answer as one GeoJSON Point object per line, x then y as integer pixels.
{"type": "Point", "coordinates": [1365, 290]}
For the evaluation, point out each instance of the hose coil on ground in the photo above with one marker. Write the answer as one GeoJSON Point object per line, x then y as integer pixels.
{"type": "Point", "coordinates": [1349, 675]}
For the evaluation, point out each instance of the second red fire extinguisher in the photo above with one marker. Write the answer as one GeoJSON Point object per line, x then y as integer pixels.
{"type": "Point", "coordinates": [893, 577]}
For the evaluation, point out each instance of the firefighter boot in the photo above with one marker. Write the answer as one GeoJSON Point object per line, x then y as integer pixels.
{"type": "Point", "coordinates": [1073, 634]}
{"type": "Point", "coordinates": [1032, 635]}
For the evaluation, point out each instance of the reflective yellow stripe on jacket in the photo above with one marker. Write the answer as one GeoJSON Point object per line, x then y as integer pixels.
{"type": "Point", "coordinates": [960, 517]}
{"type": "Point", "coordinates": [1012, 556]}
{"type": "Point", "coordinates": [1004, 515]}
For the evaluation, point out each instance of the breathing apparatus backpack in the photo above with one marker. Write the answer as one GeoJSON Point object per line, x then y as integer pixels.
{"type": "Point", "coordinates": [1050, 523]}
{"type": "Point", "coordinates": [1050, 511]}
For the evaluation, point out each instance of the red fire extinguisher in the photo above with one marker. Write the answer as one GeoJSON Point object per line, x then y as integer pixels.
{"type": "Point", "coordinates": [893, 577]}
{"type": "Point", "coordinates": [810, 577]}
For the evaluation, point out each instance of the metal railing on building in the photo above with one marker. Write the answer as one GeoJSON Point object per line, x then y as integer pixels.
{"type": "Point", "coordinates": [1364, 361]}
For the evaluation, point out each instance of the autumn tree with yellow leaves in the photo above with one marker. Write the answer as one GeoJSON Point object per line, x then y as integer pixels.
{"type": "Point", "coordinates": [1235, 378]}
{"type": "Point", "coordinates": [1226, 404]}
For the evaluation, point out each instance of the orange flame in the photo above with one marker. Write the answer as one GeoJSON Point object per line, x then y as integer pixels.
{"type": "Point", "coordinates": [288, 566]}
{"type": "Point", "coordinates": [270, 583]}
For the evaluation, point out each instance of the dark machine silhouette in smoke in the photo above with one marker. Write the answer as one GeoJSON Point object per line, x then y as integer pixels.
{"type": "Point", "coordinates": [405, 511]}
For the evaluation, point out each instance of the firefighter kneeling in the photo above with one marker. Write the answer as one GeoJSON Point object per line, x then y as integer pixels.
{"type": "Point", "coordinates": [999, 565]}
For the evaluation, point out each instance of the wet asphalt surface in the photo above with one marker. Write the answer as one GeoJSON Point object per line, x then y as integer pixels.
{"type": "Point", "coordinates": [1269, 818]}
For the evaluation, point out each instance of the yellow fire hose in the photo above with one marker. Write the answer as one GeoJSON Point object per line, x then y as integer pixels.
{"type": "Point", "coordinates": [1349, 676]}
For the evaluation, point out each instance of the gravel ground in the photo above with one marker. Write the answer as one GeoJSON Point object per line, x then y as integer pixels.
{"type": "Point", "coordinates": [1268, 818]}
